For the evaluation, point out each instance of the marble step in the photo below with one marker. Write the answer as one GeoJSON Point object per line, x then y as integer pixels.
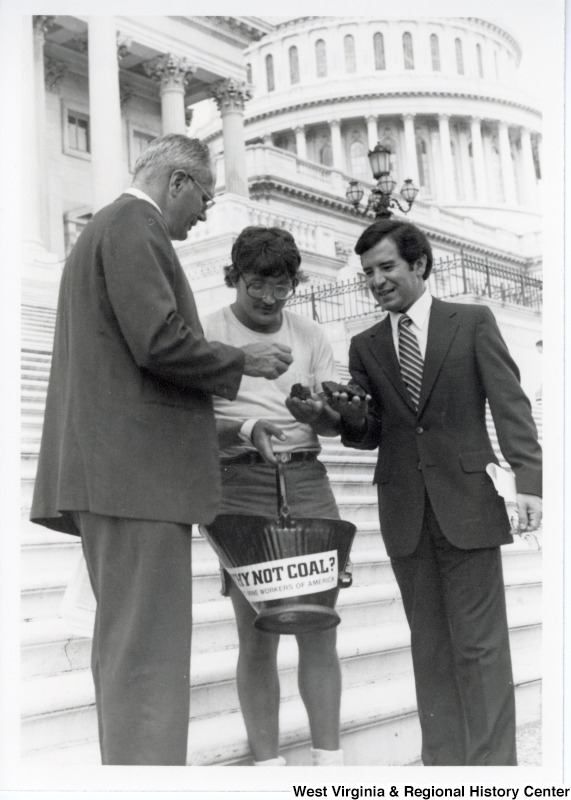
{"type": "Point", "coordinates": [48, 646]}
{"type": "Point", "coordinates": [358, 607]}
{"type": "Point", "coordinates": [370, 567]}
{"type": "Point", "coordinates": [381, 714]}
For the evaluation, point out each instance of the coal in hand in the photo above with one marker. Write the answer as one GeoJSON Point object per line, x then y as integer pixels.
{"type": "Point", "coordinates": [300, 391]}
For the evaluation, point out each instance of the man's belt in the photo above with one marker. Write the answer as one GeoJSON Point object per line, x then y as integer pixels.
{"type": "Point", "coordinates": [253, 457]}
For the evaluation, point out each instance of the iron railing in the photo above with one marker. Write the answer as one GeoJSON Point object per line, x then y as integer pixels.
{"type": "Point", "coordinates": [450, 277]}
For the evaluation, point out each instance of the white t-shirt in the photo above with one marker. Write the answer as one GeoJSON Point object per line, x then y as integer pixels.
{"type": "Point", "coordinates": [259, 398]}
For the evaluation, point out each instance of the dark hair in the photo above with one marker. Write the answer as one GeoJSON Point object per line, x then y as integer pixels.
{"type": "Point", "coordinates": [265, 251]}
{"type": "Point", "coordinates": [410, 241]}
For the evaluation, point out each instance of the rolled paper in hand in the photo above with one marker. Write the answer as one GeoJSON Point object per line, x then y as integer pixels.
{"type": "Point", "coordinates": [504, 482]}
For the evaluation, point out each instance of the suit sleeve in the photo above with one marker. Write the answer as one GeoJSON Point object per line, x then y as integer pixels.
{"type": "Point", "coordinates": [367, 438]}
{"type": "Point", "coordinates": [140, 269]}
{"type": "Point", "coordinates": [510, 407]}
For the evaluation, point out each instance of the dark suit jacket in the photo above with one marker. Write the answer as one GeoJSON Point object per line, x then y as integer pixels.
{"type": "Point", "coordinates": [129, 428]}
{"type": "Point", "coordinates": [444, 448]}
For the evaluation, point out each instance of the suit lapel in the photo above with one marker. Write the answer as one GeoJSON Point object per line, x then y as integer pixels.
{"type": "Point", "coordinates": [442, 328]}
{"type": "Point", "coordinates": [383, 349]}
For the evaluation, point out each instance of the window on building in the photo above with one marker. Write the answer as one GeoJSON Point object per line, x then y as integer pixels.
{"type": "Point", "coordinates": [270, 73]}
{"type": "Point", "coordinates": [293, 65]}
{"type": "Point", "coordinates": [350, 57]}
{"type": "Point", "coordinates": [358, 161]}
{"type": "Point", "coordinates": [78, 132]}
{"type": "Point", "coordinates": [138, 142]}
{"type": "Point", "coordinates": [479, 60]}
{"type": "Point", "coordinates": [379, 48]}
{"type": "Point", "coordinates": [435, 52]}
{"type": "Point", "coordinates": [320, 58]}
{"type": "Point", "coordinates": [249, 73]}
{"type": "Point", "coordinates": [326, 155]}
{"type": "Point", "coordinates": [459, 57]}
{"type": "Point", "coordinates": [407, 50]}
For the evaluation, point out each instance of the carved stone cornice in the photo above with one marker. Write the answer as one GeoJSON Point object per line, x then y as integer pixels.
{"type": "Point", "coordinates": [383, 96]}
{"type": "Point", "coordinates": [231, 95]}
{"type": "Point", "coordinates": [124, 44]}
{"type": "Point", "coordinates": [170, 71]}
{"type": "Point", "coordinates": [42, 25]}
{"type": "Point", "coordinates": [343, 251]}
{"type": "Point", "coordinates": [54, 70]}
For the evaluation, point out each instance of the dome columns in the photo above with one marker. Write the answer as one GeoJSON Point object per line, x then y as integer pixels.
{"type": "Point", "coordinates": [529, 180]}
{"type": "Point", "coordinates": [410, 148]}
{"type": "Point", "coordinates": [446, 153]}
{"type": "Point", "coordinates": [507, 164]}
{"type": "Point", "coordinates": [479, 163]}
{"type": "Point", "coordinates": [372, 132]}
{"type": "Point", "coordinates": [337, 145]}
{"type": "Point", "coordinates": [300, 142]}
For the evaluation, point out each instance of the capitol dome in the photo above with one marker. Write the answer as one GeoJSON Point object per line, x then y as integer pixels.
{"type": "Point", "coordinates": [441, 93]}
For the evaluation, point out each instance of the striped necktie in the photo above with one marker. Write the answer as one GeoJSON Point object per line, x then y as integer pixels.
{"type": "Point", "coordinates": [411, 363]}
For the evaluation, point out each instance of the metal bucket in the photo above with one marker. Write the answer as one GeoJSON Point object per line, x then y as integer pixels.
{"type": "Point", "coordinates": [290, 570]}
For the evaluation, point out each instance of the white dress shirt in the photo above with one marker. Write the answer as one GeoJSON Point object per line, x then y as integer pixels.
{"type": "Point", "coordinates": [142, 196]}
{"type": "Point", "coordinates": [419, 312]}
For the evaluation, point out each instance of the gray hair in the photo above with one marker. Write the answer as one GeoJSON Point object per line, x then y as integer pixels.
{"type": "Point", "coordinates": [170, 152]}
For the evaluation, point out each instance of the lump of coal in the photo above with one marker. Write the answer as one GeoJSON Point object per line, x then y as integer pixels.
{"type": "Point", "coordinates": [300, 391]}
{"type": "Point", "coordinates": [353, 390]}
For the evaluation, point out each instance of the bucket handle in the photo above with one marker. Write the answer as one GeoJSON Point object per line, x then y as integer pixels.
{"type": "Point", "coordinates": [283, 507]}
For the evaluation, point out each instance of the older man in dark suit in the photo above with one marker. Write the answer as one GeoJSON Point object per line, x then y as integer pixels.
{"type": "Point", "coordinates": [429, 368]}
{"type": "Point", "coordinates": [128, 458]}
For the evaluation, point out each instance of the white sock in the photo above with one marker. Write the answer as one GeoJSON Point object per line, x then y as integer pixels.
{"type": "Point", "coordinates": [279, 761]}
{"type": "Point", "coordinates": [327, 758]}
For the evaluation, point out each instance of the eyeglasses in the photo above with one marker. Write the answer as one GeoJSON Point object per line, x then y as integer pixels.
{"type": "Point", "coordinates": [209, 202]}
{"type": "Point", "coordinates": [260, 290]}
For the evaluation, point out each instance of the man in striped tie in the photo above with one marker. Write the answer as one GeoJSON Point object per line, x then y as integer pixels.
{"type": "Point", "coordinates": [428, 368]}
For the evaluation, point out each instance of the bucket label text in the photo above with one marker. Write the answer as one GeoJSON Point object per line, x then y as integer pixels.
{"type": "Point", "coordinates": [287, 577]}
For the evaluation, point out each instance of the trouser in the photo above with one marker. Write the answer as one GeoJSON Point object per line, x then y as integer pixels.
{"type": "Point", "coordinates": [140, 572]}
{"type": "Point", "coordinates": [455, 604]}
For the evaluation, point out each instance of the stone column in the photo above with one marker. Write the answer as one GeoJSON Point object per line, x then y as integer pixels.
{"type": "Point", "coordinates": [41, 26]}
{"type": "Point", "coordinates": [32, 196]}
{"type": "Point", "coordinates": [465, 162]}
{"type": "Point", "coordinates": [300, 142]}
{"type": "Point", "coordinates": [337, 145]}
{"type": "Point", "coordinates": [508, 176]}
{"type": "Point", "coordinates": [479, 163]}
{"type": "Point", "coordinates": [529, 181]}
{"type": "Point", "coordinates": [230, 96]}
{"type": "Point", "coordinates": [446, 151]}
{"type": "Point", "coordinates": [372, 132]}
{"type": "Point", "coordinates": [105, 126]}
{"type": "Point", "coordinates": [172, 74]}
{"type": "Point", "coordinates": [411, 162]}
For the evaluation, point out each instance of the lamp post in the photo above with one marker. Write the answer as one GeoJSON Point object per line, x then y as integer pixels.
{"type": "Point", "coordinates": [381, 199]}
